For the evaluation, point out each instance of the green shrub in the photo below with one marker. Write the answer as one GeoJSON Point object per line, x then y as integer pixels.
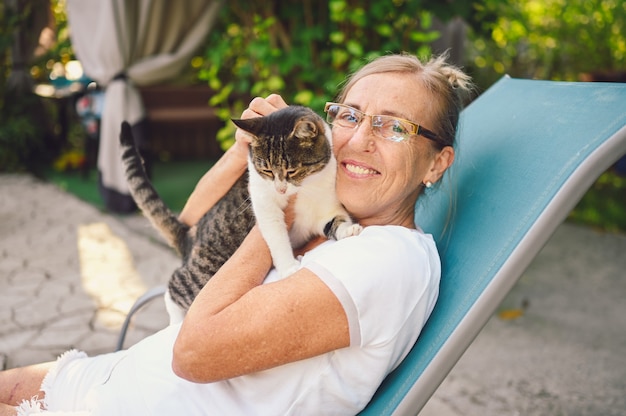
{"type": "Point", "coordinates": [547, 39]}
{"type": "Point", "coordinates": [20, 143]}
{"type": "Point", "coordinates": [21, 137]}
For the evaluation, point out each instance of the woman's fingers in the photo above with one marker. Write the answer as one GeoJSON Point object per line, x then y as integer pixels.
{"type": "Point", "coordinates": [264, 106]}
{"type": "Point", "coordinates": [276, 101]}
{"type": "Point", "coordinates": [259, 107]}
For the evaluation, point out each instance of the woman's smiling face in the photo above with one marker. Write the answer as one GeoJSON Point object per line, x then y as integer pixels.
{"type": "Point", "coordinates": [379, 180]}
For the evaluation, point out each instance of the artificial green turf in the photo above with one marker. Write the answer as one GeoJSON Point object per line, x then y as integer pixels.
{"type": "Point", "coordinates": [173, 180]}
{"type": "Point", "coordinates": [82, 186]}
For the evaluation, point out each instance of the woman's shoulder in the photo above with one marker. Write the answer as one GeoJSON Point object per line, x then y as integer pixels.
{"type": "Point", "coordinates": [390, 237]}
{"type": "Point", "coordinates": [380, 244]}
{"type": "Point", "coordinates": [396, 231]}
{"type": "Point", "coordinates": [379, 252]}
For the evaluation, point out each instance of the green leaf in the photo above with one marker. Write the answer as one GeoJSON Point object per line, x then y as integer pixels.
{"type": "Point", "coordinates": [355, 48]}
{"type": "Point", "coordinates": [304, 97]}
{"type": "Point", "coordinates": [384, 29]}
{"type": "Point", "coordinates": [275, 83]}
{"type": "Point", "coordinates": [337, 37]}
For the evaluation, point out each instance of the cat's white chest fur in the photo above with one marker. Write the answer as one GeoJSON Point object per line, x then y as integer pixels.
{"type": "Point", "coordinates": [315, 206]}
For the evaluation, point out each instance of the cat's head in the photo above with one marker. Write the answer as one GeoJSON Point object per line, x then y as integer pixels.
{"type": "Point", "coordinates": [288, 145]}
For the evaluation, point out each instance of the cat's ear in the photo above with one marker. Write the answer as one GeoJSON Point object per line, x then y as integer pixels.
{"type": "Point", "coordinates": [250, 125]}
{"type": "Point", "coordinates": [305, 129]}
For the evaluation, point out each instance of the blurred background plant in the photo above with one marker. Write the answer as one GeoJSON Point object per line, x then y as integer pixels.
{"type": "Point", "coordinates": [34, 44]}
{"type": "Point", "coordinates": [20, 139]}
{"type": "Point", "coordinates": [569, 40]}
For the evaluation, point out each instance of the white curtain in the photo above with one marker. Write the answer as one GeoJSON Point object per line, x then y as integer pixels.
{"type": "Point", "coordinates": [122, 44]}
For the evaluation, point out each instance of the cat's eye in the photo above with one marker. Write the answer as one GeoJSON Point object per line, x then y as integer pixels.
{"type": "Point", "coordinates": [290, 173]}
{"type": "Point", "coordinates": [267, 172]}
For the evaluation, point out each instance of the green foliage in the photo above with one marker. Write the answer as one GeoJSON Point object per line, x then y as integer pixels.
{"type": "Point", "coordinates": [20, 140]}
{"type": "Point", "coordinates": [603, 205]}
{"type": "Point", "coordinates": [20, 137]}
{"type": "Point", "coordinates": [548, 39]}
{"type": "Point", "coordinates": [303, 49]}
{"type": "Point", "coordinates": [9, 20]}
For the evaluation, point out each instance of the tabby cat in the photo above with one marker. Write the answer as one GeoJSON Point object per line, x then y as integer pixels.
{"type": "Point", "coordinates": [290, 153]}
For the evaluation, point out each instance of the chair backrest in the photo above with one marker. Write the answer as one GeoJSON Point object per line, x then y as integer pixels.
{"type": "Point", "coordinates": [527, 152]}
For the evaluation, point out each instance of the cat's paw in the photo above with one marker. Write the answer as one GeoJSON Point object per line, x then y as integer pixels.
{"type": "Point", "coordinates": [288, 270]}
{"type": "Point", "coordinates": [348, 230]}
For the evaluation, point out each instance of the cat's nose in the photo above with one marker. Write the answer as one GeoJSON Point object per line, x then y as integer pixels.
{"type": "Point", "coordinates": [281, 188]}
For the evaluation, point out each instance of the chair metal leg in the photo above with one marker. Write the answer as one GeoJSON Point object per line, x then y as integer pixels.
{"type": "Point", "coordinates": [155, 292]}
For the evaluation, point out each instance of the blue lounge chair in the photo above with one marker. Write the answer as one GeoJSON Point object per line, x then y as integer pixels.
{"type": "Point", "coordinates": [527, 153]}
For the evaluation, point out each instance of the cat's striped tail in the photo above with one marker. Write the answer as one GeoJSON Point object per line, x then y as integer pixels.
{"type": "Point", "coordinates": [144, 194]}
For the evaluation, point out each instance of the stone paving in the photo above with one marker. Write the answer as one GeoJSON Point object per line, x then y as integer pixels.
{"type": "Point", "coordinates": [69, 273]}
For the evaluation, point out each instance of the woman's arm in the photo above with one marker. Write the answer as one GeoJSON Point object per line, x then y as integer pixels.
{"type": "Point", "coordinates": [215, 183]}
{"type": "Point", "coordinates": [229, 168]}
{"type": "Point", "coordinates": [238, 326]}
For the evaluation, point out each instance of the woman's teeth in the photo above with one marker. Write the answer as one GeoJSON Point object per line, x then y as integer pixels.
{"type": "Point", "coordinates": [360, 170]}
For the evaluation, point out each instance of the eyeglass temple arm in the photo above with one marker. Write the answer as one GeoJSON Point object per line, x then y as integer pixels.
{"type": "Point", "coordinates": [427, 133]}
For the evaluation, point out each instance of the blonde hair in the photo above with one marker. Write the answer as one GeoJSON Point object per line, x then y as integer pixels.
{"type": "Point", "coordinates": [450, 86]}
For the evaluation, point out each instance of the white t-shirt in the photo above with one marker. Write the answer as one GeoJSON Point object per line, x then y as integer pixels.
{"type": "Point", "coordinates": [387, 280]}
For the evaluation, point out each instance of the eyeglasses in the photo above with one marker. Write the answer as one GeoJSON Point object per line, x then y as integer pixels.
{"type": "Point", "coordinates": [386, 127]}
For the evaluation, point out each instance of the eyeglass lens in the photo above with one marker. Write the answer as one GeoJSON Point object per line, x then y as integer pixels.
{"type": "Point", "coordinates": [386, 127]}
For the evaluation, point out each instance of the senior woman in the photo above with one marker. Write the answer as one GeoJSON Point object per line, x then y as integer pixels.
{"type": "Point", "coordinates": [319, 341]}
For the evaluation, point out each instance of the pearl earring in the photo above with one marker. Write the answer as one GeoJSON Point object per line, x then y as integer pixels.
{"type": "Point", "coordinates": [428, 184]}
